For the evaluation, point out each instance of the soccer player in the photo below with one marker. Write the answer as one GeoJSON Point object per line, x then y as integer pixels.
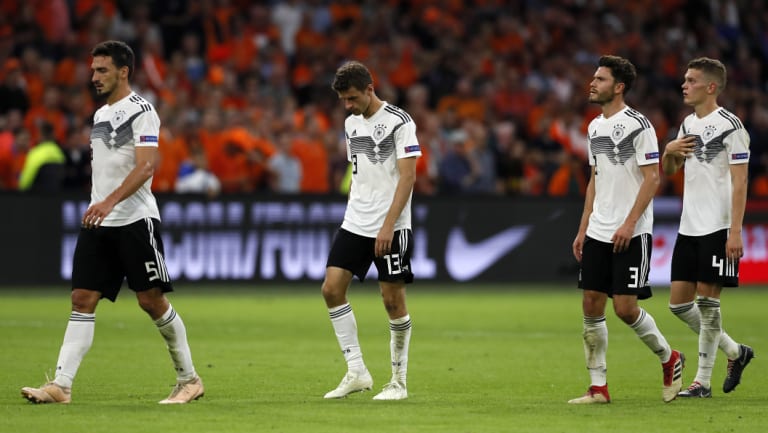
{"type": "Point", "coordinates": [120, 238]}
{"type": "Point", "coordinates": [713, 146]}
{"type": "Point", "coordinates": [613, 243]}
{"type": "Point", "coordinates": [382, 149]}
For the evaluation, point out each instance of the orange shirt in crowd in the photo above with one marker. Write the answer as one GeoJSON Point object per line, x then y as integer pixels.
{"type": "Point", "coordinates": [314, 165]}
{"type": "Point", "coordinates": [172, 151]}
{"type": "Point", "coordinates": [11, 162]}
{"type": "Point", "coordinates": [54, 117]}
{"type": "Point", "coordinates": [238, 159]}
{"type": "Point", "coordinates": [565, 179]}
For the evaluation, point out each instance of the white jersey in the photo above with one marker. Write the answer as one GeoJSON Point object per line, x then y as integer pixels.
{"type": "Point", "coordinates": [373, 147]}
{"type": "Point", "coordinates": [721, 140]}
{"type": "Point", "coordinates": [117, 130]}
{"type": "Point", "coordinates": [617, 147]}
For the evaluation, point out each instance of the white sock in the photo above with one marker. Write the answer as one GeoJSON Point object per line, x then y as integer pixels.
{"type": "Point", "coordinates": [645, 328]}
{"type": "Point", "coordinates": [400, 338]}
{"type": "Point", "coordinates": [174, 332]}
{"type": "Point", "coordinates": [689, 313]}
{"type": "Point", "coordinates": [78, 339]}
{"type": "Point", "coordinates": [708, 338]}
{"type": "Point", "coordinates": [595, 347]}
{"type": "Point", "coordinates": [345, 326]}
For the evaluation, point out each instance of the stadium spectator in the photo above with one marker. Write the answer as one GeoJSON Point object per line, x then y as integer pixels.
{"type": "Point", "coordinates": [119, 238]}
{"type": "Point", "coordinates": [613, 243]}
{"type": "Point", "coordinates": [515, 62]}
{"type": "Point", "coordinates": [194, 176]}
{"type": "Point", "coordinates": [13, 150]}
{"type": "Point", "coordinates": [13, 94]}
{"type": "Point", "coordinates": [43, 170]}
{"type": "Point", "coordinates": [382, 148]}
{"type": "Point", "coordinates": [284, 168]}
{"type": "Point", "coordinates": [713, 146]}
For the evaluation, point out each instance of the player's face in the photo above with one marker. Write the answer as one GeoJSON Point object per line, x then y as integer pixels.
{"type": "Point", "coordinates": [105, 75]}
{"type": "Point", "coordinates": [356, 101]}
{"type": "Point", "coordinates": [603, 87]}
{"type": "Point", "coordinates": [696, 87]}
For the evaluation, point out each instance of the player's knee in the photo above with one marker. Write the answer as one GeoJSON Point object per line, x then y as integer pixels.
{"type": "Point", "coordinates": [627, 315]}
{"type": "Point", "coordinates": [84, 301]}
{"type": "Point", "coordinates": [331, 292]}
{"type": "Point", "coordinates": [153, 303]}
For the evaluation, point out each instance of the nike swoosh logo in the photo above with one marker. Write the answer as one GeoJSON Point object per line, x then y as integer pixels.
{"type": "Point", "coordinates": [465, 260]}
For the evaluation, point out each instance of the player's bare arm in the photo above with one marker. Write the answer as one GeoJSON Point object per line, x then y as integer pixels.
{"type": "Point", "coordinates": [407, 169]}
{"type": "Point", "coordinates": [146, 161]}
{"type": "Point", "coordinates": [648, 189]}
{"type": "Point", "coordinates": [578, 243]}
{"type": "Point", "coordinates": [734, 247]}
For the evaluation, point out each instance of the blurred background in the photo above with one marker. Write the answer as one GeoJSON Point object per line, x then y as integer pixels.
{"type": "Point", "coordinates": [251, 129]}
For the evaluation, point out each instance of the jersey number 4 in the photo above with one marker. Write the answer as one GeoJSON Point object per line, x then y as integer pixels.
{"type": "Point", "coordinates": [728, 268]}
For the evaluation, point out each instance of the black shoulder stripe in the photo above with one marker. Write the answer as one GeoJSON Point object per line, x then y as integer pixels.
{"type": "Point", "coordinates": [398, 112]}
{"type": "Point", "coordinates": [731, 118]}
{"type": "Point", "coordinates": [642, 120]}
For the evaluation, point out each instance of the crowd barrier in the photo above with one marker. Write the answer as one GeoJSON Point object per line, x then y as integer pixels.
{"type": "Point", "coordinates": [286, 238]}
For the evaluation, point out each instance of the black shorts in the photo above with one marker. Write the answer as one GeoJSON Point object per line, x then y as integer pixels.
{"type": "Point", "coordinates": [703, 258]}
{"type": "Point", "coordinates": [355, 253]}
{"type": "Point", "coordinates": [105, 256]}
{"type": "Point", "coordinates": [624, 273]}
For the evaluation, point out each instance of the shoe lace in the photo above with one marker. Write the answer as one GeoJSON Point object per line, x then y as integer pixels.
{"type": "Point", "coordinates": [391, 386]}
{"type": "Point", "coordinates": [694, 386]}
{"type": "Point", "coordinates": [176, 390]}
{"type": "Point", "coordinates": [729, 368]}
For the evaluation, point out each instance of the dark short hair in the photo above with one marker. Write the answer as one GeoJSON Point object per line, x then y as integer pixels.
{"type": "Point", "coordinates": [119, 51]}
{"type": "Point", "coordinates": [623, 70]}
{"type": "Point", "coordinates": [714, 68]}
{"type": "Point", "coordinates": [352, 74]}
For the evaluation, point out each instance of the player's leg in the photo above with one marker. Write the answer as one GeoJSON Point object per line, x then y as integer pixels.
{"type": "Point", "coordinates": [595, 282]}
{"type": "Point", "coordinates": [708, 304]}
{"type": "Point", "coordinates": [691, 262]}
{"type": "Point", "coordinates": [92, 270]}
{"type": "Point", "coordinates": [142, 254]}
{"type": "Point", "coordinates": [630, 272]}
{"type": "Point", "coordinates": [394, 273]}
{"type": "Point", "coordinates": [393, 296]}
{"type": "Point", "coordinates": [349, 255]}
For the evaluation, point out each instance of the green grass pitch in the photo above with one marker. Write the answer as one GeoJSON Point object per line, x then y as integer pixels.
{"type": "Point", "coordinates": [502, 358]}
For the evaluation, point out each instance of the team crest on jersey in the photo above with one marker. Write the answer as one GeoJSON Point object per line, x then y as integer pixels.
{"type": "Point", "coordinates": [708, 133]}
{"type": "Point", "coordinates": [618, 132]}
{"type": "Point", "coordinates": [378, 132]}
{"type": "Point", "coordinates": [118, 117]}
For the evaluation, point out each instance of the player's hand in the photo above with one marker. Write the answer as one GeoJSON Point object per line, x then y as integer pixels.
{"type": "Point", "coordinates": [681, 147]}
{"type": "Point", "coordinates": [95, 214]}
{"type": "Point", "coordinates": [578, 246]}
{"type": "Point", "coordinates": [383, 242]}
{"type": "Point", "coordinates": [734, 246]}
{"type": "Point", "coordinates": [622, 238]}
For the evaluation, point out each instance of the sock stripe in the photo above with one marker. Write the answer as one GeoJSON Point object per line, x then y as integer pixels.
{"type": "Point", "coordinates": [82, 317]}
{"type": "Point", "coordinates": [168, 320]}
{"type": "Point", "coordinates": [639, 320]}
{"type": "Point", "coordinates": [342, 311]}
{"type": "Point", "coordinates": [681, 308]}
{"type": "Point", "coordinates": [708, 302]}
{"type": "Point", "coordinates": [593, 320]}
{"type": "Point", "coordinates": [400, 326]}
